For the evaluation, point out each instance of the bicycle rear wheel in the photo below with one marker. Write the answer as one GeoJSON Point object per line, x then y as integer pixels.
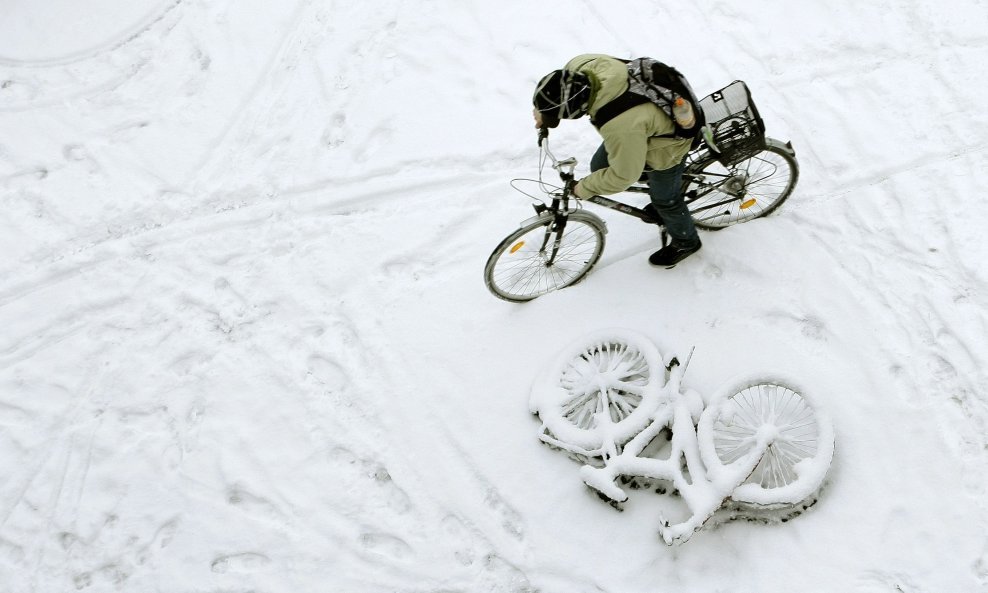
{"type": "Point", "coordinates": [719, 196]}
{"type": "Point", "coordinates": [527, 264]}
{"type": "Point", "coordinates": [800, 442]}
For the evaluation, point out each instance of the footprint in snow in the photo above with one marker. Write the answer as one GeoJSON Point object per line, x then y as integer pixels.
{"type": "Point", "coordinates": [386, 544]}
{"type": "Point", "coordinates": [239, 563]}
{"type": "Point", "coordinates": [459, 538]}
{"type": "Point", "coordinates": [511, 521]}
{"type": "Point", "coordinates": [876, 581]}
{"type": "Point", "coordinates": [327, 372]}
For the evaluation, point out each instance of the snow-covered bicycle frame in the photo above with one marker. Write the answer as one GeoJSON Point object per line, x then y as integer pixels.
{"type": "Point", "coordinates": [611, 401]}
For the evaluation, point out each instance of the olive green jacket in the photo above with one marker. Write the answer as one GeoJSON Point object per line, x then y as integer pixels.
{"type": "Point", "coordinates": [631, 139]}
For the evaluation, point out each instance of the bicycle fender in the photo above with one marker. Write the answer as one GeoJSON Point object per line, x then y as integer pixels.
{"type": "Point", "coordinates": [784, 146]}
{"type": "Point", "coordinates": [588, 217]}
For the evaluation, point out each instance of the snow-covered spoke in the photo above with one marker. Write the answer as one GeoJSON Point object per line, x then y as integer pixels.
{"type": "Point", "coordinates": [795, 441]}
{"type": "Point", "coordinates": [613, 377]}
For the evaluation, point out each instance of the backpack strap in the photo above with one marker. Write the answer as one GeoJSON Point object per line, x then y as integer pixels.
{"type": "Point", "coordinates": [616, 107]}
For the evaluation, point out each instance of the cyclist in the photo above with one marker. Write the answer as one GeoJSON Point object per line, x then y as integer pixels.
{"type": "Point", "coordinates": [632, 140]}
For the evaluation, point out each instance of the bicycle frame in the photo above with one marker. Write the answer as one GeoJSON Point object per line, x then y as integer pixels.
{"type": "Point", "coordinates": [566, 167]}
{"type": "Point", "coordinates": [684, 469]}
{"type": "Point", "coordinates": [704, 494]}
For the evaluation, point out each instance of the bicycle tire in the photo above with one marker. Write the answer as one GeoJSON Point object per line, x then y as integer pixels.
{"type": "Point", "coordinates": [795, 463]}
{"type": "Point", "coordinates": [516, 270]}
{"type": "Point", "coordinates": [752, 187]}
{"type": "Point", "coordinates": [600, 391]}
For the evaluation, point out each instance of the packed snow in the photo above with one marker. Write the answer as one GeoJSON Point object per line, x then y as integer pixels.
{"type": "Point", "coordinates": [247, 345]}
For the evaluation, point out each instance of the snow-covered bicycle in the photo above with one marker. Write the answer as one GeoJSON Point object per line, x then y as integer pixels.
{"type": "Point", "coordinates": [758, 448]}
{"type": "Point", "coordinates": [736, 175]}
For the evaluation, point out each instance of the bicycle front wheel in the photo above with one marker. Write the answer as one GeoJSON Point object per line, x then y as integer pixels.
{"type": "Point", "coordinates": [541, 257]}
{"type": "Point", "coordinates": [719, 196]}
{"type": "Point", "coordinates": [601, 391]}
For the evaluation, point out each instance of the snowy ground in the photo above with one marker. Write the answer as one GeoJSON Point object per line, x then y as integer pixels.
{"type": "Point", "coordinates": [246, 345]}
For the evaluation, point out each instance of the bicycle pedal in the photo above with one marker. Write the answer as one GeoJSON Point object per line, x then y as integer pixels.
{"type": "Point", "coordinates": [619, 505]}
{"type": "Point", "coordinates": [614, 504]}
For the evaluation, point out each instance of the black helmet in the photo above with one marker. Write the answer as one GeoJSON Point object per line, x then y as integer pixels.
{"type": "Point", "coordinates": [562, 94]}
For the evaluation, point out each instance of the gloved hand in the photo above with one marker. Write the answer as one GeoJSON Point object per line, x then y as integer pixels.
{"type": "Point", "coordinates": [571, 185]}
{"type": "Point", "coordinates": [582, 192]}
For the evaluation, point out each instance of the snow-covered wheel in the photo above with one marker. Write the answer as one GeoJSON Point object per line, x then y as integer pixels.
{"type": "Point", "coordinates": [800, 441]}
{"type": "Point", "coordinates": [600, 391]}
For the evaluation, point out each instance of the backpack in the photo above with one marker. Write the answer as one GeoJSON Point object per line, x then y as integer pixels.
{"type": "Point", "coordinates": [651, 81]}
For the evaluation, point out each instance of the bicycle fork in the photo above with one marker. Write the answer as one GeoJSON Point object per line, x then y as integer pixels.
{"type": "Point", "coordinates": [558, 226]}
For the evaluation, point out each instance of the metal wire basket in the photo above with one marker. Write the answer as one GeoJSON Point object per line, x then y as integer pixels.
{"type": "Point", "coordinates": [735, 127]}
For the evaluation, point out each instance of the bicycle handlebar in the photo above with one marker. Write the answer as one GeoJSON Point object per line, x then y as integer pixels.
{"type": "Point", "coordinates": [543, 135]}
{"type": "Point", "coordinates": [565, 167]}
{"type": "Point", "coordinates": [556, 163]}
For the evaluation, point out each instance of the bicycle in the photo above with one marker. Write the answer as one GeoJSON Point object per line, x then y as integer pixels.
{"type": "Point", "coordinates": [735, 175]}
{"type": "Point", "coordinates": [615, 404]}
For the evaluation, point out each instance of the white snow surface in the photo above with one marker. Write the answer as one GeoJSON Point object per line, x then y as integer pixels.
{"type": "Point", "coordinates": [246, 345]}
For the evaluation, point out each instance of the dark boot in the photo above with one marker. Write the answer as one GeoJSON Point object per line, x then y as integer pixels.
{"type": "Point", "coordinates": [673, 253]}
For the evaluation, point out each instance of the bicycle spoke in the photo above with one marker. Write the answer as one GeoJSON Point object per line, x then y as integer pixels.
{"type": "Point", "coordinates": [612, 363]}
{"type": "Point", "coordinates": [767, 404]}
{"type": "Point", "coordinates": [621, 407]}
{"type": "Point", "coordinates": [522, 270]}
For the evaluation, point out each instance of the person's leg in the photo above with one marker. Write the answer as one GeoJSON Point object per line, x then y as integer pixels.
{"type": "Point", "coordinates": [664, 187]}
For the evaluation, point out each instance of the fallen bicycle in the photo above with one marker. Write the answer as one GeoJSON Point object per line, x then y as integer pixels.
{"type": "Point", "coordinates": [758, 449]}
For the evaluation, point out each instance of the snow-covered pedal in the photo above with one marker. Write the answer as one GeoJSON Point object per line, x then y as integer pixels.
{"type": "Point", "coordinates": [617, 405]}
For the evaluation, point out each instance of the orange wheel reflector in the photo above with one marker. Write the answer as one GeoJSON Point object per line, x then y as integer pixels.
{"type": "Point", "coordinates": [517, 246]}
{"type": "Point", "coordinates": [747, 204]}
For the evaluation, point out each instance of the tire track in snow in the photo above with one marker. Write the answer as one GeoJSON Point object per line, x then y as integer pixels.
{"type": "Point", "coordinates": [374, 525]}
{"type": "Point", "coordinates": [470, 546]}
{"type": "Point", "coordinates": [142, 27]}
{"type": "Point", "coordinates": [933, 358]}
{"type": "Point", "coordinates": [298, 78]}
{"type": "Point", "coordinates": [225, 150]}
{"type": "Point", "coordinates": [845, 186]}
{"type": "Point", "coordinates": [47, 492]}
{"type": "Point", "coordinates": [880, 83]}
{"type": "Point", "coordinates": [408, 506]}
{"type": "Point", "coordinates": [865, 65]}
{"type": "Point", "coordinates": [61, 428]}
{"type": "Point", "coordinates": [373, 540]}
{"type": "Point", "coordinates": [137, 240]}
{"type": "Point", "coordinates": [62, 325]}
{"type": "Point", "coordinates": [27, 81]}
